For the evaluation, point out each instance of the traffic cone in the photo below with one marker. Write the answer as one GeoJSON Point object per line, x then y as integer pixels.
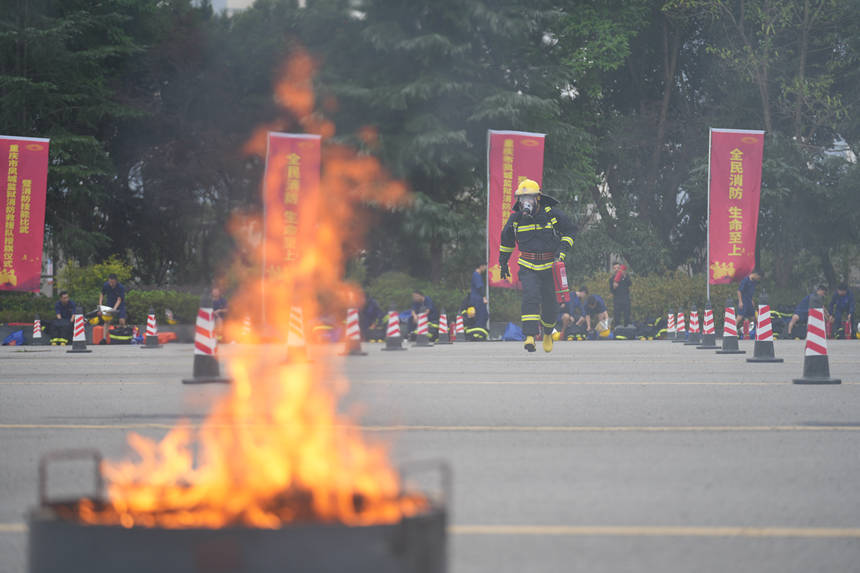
{"type": "Point", "coordinates": [206, 368]}
{"type": "Point", "coordinates": [459, 329]}
{"type": "Point", "coordinates": [297, 348]}
{"type": "Point", "coordinates": [393, 339]}
{"type": "Point", "coordinates": [79, 336]}
{"type": "Point", "coordinates": [245, 333]}
{"type": "Point", "coordinates": [730, 332]}
{"type": "Point", "coordinates": [353, 334]}
{"type": "Point", "coordinates": [150, 339]}
{"type": "Point", "coordinates": [680, 328]}
{"type": "Point", "coordinates": [444, 336]}
{"type": "Point", "coordinates": [695, 336]}
{"type": "Point", "coordinates": [816, 365]}
{"type": "Point", "coordinates": [422, 336]}
{"type": "Point", "coordinates": [709, 336]}
{"type": "Point", "coordinates": [670, 327]}
{"type": "Point", "coordinates": [763, 349]}
{"type": "Point", "coordinates": [37, 332]}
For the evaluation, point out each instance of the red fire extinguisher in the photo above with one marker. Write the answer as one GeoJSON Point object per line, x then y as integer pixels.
{"type": "Point", "coordinates": [559, 275]}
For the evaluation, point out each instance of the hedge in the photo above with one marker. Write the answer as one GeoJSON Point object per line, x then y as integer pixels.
{"type": "Point", "coordinates": [394, 289]}
{"type": "Point", "coordinates": [22, 307]}
{"type": "Point", "coordinates": [653, 296]}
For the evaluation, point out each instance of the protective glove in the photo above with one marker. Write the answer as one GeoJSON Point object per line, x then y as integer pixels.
{"type": "Point", "coordinates": [504, 272]}
{"type": "Point", "coordinates": [561, 256]}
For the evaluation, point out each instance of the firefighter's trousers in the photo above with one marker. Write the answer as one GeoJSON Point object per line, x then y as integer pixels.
{"type": "Point", "coordinates": [539, 304]}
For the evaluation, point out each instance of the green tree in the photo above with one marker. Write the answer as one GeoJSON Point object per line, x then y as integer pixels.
{"type": "Point", "coordinates": [59, 65]}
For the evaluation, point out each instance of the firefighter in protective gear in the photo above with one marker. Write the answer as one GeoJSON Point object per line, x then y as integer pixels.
{"type": "Point", "coordinates": [544, 235]}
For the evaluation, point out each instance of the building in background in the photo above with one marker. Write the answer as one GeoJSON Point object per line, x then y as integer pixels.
{"type": "Point", "coordinates": [230, 6]}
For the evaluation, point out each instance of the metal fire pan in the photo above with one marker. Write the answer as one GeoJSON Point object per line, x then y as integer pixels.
{"type": "Point", "coordinates": [416, 544]}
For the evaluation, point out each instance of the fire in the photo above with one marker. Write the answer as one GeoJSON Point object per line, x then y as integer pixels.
{"type": "Point", "coordinates": [275, 450]}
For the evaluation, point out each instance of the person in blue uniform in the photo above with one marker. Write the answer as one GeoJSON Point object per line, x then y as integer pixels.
{"type": "Point", "coordinates": [420, 303]}
{"type": "Point", "coordinates": [371, 319]}
{"type": "Point", "coordinates": [113, 295]}
{"type": "Point", "coordinates": [801, 313]}
{"type": "Point", "coordinates": [746, 309]}
{"type": "Point", "coordinates": [61, 326]}
{"type": "Point", "coordinates": [619, 286]}
{"type": "Point", "coordinates": [842, 309]}
{"type": "Point", "coordinates": [477, 298]}
{"type": "Point", "coordinates": [594, 309]}
{"type": "Point", "coordinates": [570, 313]}
{"type": "Point", "coordinates": [544, 234]}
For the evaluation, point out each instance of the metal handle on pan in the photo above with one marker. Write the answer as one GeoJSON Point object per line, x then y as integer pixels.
{"type": "Point", "coordinates": [67, 455]}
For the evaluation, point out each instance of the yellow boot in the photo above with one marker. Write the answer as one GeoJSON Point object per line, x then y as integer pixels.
{"type": "Point", "coordinates": [530, 344]}
{"type": "Point", "coordinates": [547, 342]}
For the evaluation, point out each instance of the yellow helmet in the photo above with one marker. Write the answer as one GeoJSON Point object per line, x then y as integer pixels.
{"type": "Point", "coordinates": [527, 187]}
{"type": "Point", "coordinates": [471, 312]}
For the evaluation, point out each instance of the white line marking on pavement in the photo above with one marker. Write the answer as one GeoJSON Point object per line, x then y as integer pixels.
{"type": "Point", "coordinates": [657, 531]}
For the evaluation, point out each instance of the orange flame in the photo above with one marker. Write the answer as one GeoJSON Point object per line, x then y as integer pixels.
{"type": "Point", "coordinates": [275, 450]}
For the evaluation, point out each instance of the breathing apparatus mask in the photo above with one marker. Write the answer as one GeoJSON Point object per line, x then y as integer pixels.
{"type": "Point", "coordinates": [528, 204]}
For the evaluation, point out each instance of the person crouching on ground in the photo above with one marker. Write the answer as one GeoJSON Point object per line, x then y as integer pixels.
{"type": "Point", "coordinates": [544, 235]}
{"type": "Point", "coordinates": [801, 313]}
{"type": "Point", "coordinates": [596, 314]}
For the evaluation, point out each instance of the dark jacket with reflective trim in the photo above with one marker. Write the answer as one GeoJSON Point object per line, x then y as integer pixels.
{"type": "Point", "coordinates": [548, 231]}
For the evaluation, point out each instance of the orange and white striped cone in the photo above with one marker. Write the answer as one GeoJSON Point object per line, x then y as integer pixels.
{"type": "Point", "coordinates": [79, 334]}
{"type": "Point", "coordinates": [444, 336]}
{"type": "Point", "coordinates": [695, 337]}
{"type": "Point", "coordinates": [245, 333]}
{"type": "Point", "coordinates": [680, 328]}
{"type": "Point", "coordinates": [38, 340]}
{"type": "Point", "coordinates": [763, 349]}
{"type": "Point", "coordinates": [297, 348]}
{"type": "Point", "coordinates": [459, 329]}
{"type": "Point", "coordinates": [816, 365]}
{"type": "Point", "coordinates": [422, 330]}
{"type": "Point", "coordinates": [709, 335]}
{"type": "Point", "coordinates": [353, 334]}
{"type": "Point", "coordinates": [150, 339]}
{"type": "Point", "coordinates": [206, 368]}
{"type": "Point", "coordinates": [393, 339]}
{"type": "Point", "coordinates": [730, 332]}
{"type": "Point", "coordinates": [670, 327]}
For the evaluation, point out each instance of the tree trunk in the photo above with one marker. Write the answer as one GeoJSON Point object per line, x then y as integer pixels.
{"type": "Point", "coordinates": [435, 259]}
{"type": "Point", "coordinates": [827, 268]}
{"type": "Point", "coordinates": [801, 71]}
{"type": "Point", "coordinates": [783, 269]}
{"type": "Point", "coordinates": [670, 65]}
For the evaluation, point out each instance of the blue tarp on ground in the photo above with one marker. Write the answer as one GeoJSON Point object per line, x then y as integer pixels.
{"type": "Point", "coordinates": [14, 339]}
{"type": "Point", "coordinates": [513, 332]}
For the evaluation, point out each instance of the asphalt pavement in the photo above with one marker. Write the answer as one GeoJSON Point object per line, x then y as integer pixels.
{"type": "Point", "coordinates": [603, 456]}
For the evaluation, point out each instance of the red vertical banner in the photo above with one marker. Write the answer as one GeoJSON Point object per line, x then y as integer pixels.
{"type": "Point", "coordinates": [292, 176]}
{"type": "Point", "coordinates": [24, 187]}
{"type": "Point", "coordinates": [734, 191]}
{"type": "Point", "coordinates": [511, 157]}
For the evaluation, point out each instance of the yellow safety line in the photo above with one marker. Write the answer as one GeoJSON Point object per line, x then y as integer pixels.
{"type": "Point", "coordinates": [78, 383]}
{"type": "Point", "coordinates": [86, 426]}
{"type": "Point", "coordinates": [571, 383]}
{"type": "Point", "coordinates": [622, 531]}
{"type": "Point", "coordinates": [609, 428]}
{"type": "Point", "coordinates": [13, 527]}
{"type": "Point", "coordinates": [656, 531]}
{"type": "Point", "coordinates": [407, 428]}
